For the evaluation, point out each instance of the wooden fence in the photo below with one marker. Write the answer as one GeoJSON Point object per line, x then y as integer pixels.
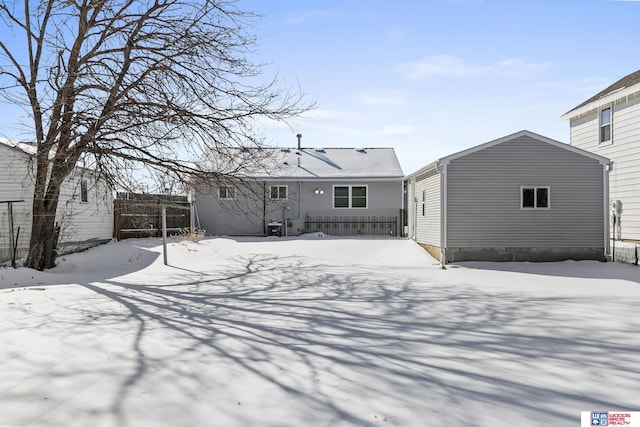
{"type": "Point", "coordinates": [140, 215]}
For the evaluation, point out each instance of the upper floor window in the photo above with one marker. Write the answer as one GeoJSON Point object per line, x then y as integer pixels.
{"type": "Point", "coordinates": [278, 191]}
{"type": "Point", "coordinates": [605, 125]}
{"type": "Point", "coordinates": [84, 191]}
{"type": "Point", "coordinates": [350, 196]}
{"type": "Point", "coordinates": [535, 197]}
{"type": "Point", "coordinates": [226, 192]}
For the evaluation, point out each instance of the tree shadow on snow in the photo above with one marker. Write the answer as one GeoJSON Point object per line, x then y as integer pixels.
{"type": "Point", "coordinates": [279, 342]}
{"type": "Point", "coordinates": [575, 269]}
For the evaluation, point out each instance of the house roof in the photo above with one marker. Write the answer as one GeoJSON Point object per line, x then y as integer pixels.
{"type": "Point", "coordinates": [445, 160]}
{"type": "Point", "coordinates": [310, 163]}
{"type": "Point", "coordinates": [25, 147]}
{"type": "Point", "coordinates": [625, 88]}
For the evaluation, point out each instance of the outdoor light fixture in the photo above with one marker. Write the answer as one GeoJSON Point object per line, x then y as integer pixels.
{"type": "Point", "coordinates": [319, 191]}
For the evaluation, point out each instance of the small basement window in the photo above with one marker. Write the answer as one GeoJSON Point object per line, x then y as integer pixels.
{"type": "Point", "coordinates": [534, 197]}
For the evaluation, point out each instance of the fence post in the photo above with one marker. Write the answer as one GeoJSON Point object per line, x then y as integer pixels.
{"type": "Point", "coordinates": [164, 233]}
{"type": "Point", "coordinates": [116, 219]}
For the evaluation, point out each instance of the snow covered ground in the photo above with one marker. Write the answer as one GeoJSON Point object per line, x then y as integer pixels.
{"type": "Point", "coordinates": [313, 331]}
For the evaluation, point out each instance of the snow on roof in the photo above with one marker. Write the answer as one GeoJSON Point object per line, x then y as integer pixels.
{"type": "Point", "coordinates": [626, 87]}
{"type": "Point", "coordinates": [310, 163]}
{"type": "Point", "coordinates": [22, 146]}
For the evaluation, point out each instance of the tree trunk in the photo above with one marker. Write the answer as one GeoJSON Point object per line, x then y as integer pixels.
{"type": "Point", "coordinates": [44, 232]}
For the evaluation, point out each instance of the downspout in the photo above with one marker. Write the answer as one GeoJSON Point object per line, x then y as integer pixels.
{"type": "Point", "coordinates": [414, 195]}
{"type": "Point", "coordinates": [264, 208]}
{"type": "Point", "coordinates": [442, 170]}
{"type": "Point", "coordinates": [606, 170]}
{"type": "Point", "coordinates": [300, 203]}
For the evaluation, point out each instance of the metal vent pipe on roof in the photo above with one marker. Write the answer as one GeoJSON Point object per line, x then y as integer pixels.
{"type": "Point", "coordinates": [299, 136]}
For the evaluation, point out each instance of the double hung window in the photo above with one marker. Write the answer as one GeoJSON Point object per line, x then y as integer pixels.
{"type": "Point", "coordinates": [350, 196]}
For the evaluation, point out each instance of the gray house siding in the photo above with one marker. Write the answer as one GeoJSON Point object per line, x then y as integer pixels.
{"type": "Point", "coordinates": [473, 202]}
{"type": "Point", "coordinates": [310, 176]}
{"type": "Point", "coordinates": [250, 211]}
{"type": "Point", "coordinates": [623, 151]}
{"type": "Point", "coordinates": [241, 215]}
{"type": "Point", "coordinates": [484, 215]}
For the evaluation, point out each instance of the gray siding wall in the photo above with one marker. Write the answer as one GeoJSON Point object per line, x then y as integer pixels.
{"type": "Point", "coordinates": [624, 180]}
{"type": "Point", "coordinates": [427, 225]}
{"type": "Point", "coordinates": [244, 215]}
{"type": "Point", "coordinates": [483, 198]}
{"type": "Point", "coordinates": [384, 199]}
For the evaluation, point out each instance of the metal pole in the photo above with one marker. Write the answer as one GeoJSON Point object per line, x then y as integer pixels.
{"type": "Point", "coordinates": [11, 236]}
{"type": "Point", "coordinates": [192, 212]}
{"type": "Point", "coordinates": [164, 233]}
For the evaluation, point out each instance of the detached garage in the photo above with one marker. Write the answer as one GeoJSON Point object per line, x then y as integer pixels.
{"type": "Point", "coordinates": [523, 197]}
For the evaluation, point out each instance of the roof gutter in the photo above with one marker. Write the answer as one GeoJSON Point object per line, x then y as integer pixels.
{"type": "Point", "coordinates": [619, 96]}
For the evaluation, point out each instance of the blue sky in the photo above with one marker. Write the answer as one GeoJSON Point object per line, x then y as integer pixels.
{"type": "Point", "coordinates": [433, 77]}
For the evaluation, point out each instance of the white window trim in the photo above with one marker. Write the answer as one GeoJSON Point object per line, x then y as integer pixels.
{"type": "Point", "coordinates": [233, 190]}
{"type": "Point", "coordinates": [610, 140]}
{"type": "Point", "coordinates": [350, 186]}
{"type": "Point", "coordinates": [535, 197]}
{"type": "Point", "coordinates": [286, 192]}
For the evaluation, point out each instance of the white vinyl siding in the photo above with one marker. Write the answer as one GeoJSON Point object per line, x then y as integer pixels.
{"type": "Point", "coordinates": [80, 222]}
{"type": "Point", "coordinates": [428, 225]}
{"type": "Point", "coordinates": [624, 179]}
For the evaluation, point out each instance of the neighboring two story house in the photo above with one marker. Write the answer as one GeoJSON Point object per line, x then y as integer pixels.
{"type": "Point", "coordinates": [292, 191]}
{"type": "Point", "coordinates": [608, 124]}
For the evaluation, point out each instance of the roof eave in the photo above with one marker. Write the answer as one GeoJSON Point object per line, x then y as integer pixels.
{"type": "Point", "coordinates": [616, 97]}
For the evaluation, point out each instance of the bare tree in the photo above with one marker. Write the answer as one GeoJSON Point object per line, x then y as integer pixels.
{"type": "Point", "coordinates": [111, 84]}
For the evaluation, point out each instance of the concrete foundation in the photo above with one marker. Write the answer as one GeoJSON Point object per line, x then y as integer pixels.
{"type": "Point", "coordinates": [524, 254]}
{"type": "Point", "coordinates": [434, 251]}
{"type": "Point", "coordinates": [625, 252]}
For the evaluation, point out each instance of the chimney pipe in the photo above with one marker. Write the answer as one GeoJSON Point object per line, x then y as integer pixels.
{"type": "Point", "coordinates": [299, 136]}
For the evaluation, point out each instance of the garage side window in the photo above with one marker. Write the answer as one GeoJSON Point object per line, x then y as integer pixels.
{"type": "Point", "coordinates": [535, 197]}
